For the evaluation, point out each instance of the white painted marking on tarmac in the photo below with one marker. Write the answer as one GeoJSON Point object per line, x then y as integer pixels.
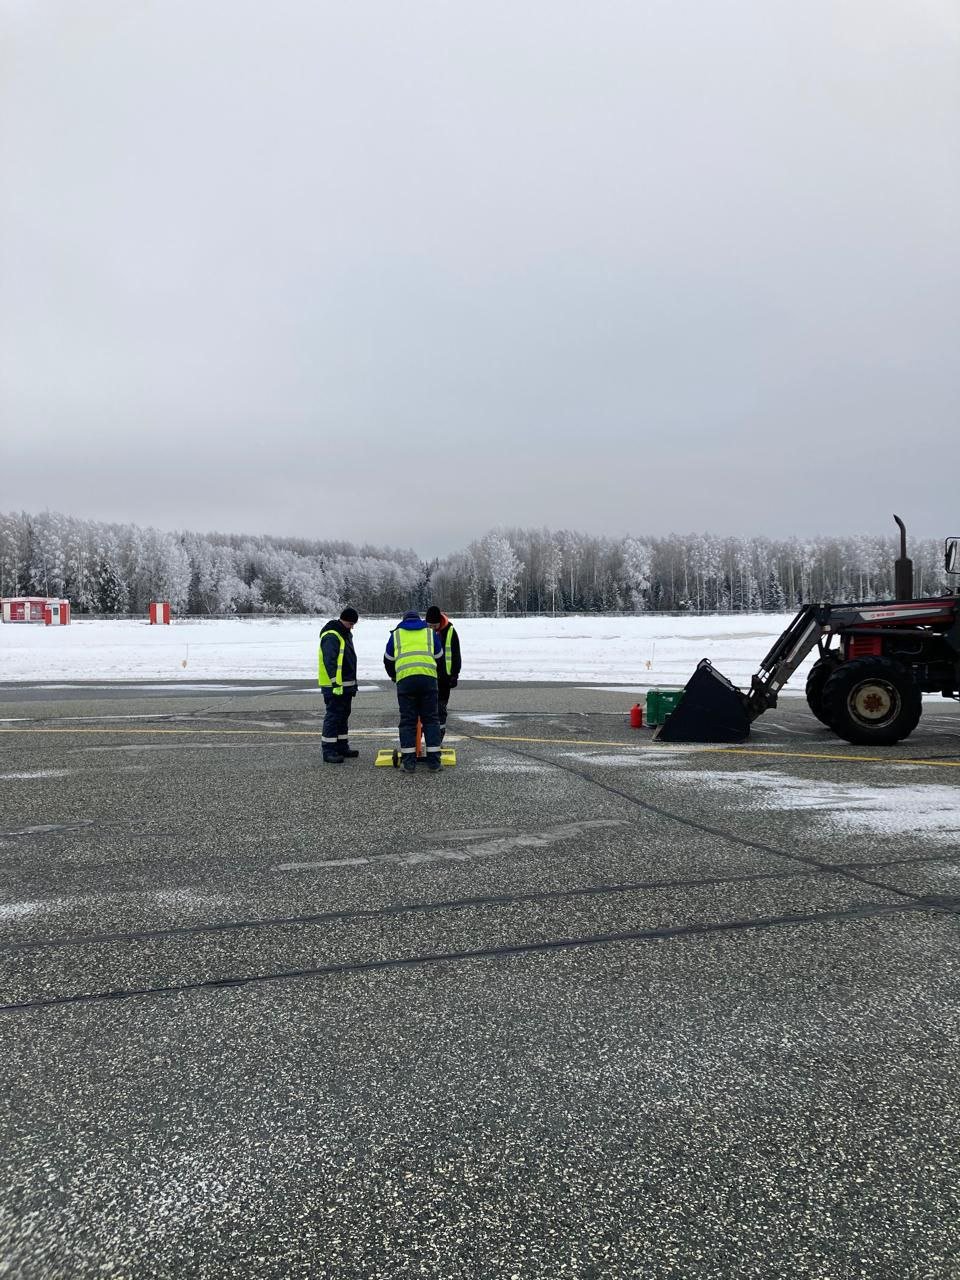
{"type": "Point", "coordinates": [494, 847]}
{"type": "Point", "coordinates": [169, 686]}
{"type": "Point", "coordinates": [629, 759]}
{"type": "Point", "coordinates": [97, 719]}
{"type": "Point", "coordinates": [488, 719]}
{"type": "Point", "coordinates": [35, 773]}
{"type": "Point", "coordinates": [45, 827]}
{"type": "Point", "coordinates": [183, 898]}
{"type": "Point", "coordinates": [475, 833]}
{"type": "Point", "coordinates": [16, 910]}
{"type": "Point", "coordinates": [182, 746]}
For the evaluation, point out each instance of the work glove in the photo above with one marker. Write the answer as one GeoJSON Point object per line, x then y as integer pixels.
{"type": "Point", "coordinates": [453, 683]}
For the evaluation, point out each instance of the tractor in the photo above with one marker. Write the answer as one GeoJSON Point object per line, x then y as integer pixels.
{"type": "Point", "coordinates": [876, 660]}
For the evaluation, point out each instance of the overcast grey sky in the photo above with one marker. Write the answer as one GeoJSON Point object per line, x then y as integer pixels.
{"type": "Point", "coordinates": [403, 271]}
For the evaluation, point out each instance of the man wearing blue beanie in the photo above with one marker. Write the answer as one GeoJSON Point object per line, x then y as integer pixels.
{"type": "Point", "coordinates": [411, 656]}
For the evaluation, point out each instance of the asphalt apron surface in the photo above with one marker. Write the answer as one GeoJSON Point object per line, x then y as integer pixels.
{"type": "Point", "coordinates": [581, 1006]}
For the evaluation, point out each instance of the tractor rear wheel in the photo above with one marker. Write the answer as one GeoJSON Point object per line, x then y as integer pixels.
{"type": "Point", "coordinates": [819, 674]}
{"type": "Point", "coordinates": [872, 701]}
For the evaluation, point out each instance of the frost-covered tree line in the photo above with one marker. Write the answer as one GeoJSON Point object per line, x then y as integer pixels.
{"type": "Point", "coordinates": [543, 571]}
{"type": "Point", "coordinates": [119, 569]}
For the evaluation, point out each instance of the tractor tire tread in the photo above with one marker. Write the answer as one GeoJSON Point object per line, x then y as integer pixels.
{"type": "Point", "coordinates": [817, 677]}
{"type": "Point", "coordinates": [841, 683]}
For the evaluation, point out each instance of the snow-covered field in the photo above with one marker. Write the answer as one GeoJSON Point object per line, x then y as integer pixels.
{"type": "Point", "coordinates": [638, 652]}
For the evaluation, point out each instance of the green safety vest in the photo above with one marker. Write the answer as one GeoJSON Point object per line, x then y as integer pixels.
{"type": "Point", "coordinates": [448, 650]}
{"type": "Point", "coordinates": [413, 653]}
{"type": "Point", "coordinates": [323, 676]}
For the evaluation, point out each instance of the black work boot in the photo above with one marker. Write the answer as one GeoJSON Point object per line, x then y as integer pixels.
{"type": "Point", "coordinates": [409, 763]}
{"type": "Point", "coordinates": [332, 756]}
{"type": "Point", "coordinates": [345, 749]}
{"type": "Point", "coordinates": [434, 763]}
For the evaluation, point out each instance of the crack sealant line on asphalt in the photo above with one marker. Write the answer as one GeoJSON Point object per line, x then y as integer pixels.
{"type": "Point", "coordinates": [864, 911]}
{"type": "Point", "coordinates": [950, 906]}
{"type": "Point", "coordinates": [259, 869]}
{"type": "Point", "coordinates": [393, 909]}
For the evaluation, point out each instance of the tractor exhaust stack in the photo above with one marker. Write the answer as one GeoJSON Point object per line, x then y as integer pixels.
{"type": "Point", "coordinates": [903, 568]}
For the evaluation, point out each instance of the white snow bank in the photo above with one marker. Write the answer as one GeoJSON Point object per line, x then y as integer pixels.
{"type": "Point", "coordinates": [633, 653]}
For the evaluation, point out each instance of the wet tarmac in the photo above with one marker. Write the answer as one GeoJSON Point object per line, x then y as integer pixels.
{"type": "Point", "coordinates": [582, 1006]}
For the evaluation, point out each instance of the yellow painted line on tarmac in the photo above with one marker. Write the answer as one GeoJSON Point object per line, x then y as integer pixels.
{"type": "Point", "coordinates": [691, 749]}
{"type": "Point", "coordinates": [574, 742]}
{"type": "Point", "coordinates": [257, 733]}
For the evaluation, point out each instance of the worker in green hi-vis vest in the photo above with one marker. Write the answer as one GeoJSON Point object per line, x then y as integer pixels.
{"type": "Point", "coordinates": [337, 678]}
{"type": "Point", "coordinates": [411, 656]}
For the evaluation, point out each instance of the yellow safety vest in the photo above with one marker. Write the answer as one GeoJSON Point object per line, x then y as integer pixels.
{"type": "Point", "coordinates": [323, 676]}
{"type": "Point", "coordinates": [448, 650]}
{"type": "Point", "coordinates": [413, 653]}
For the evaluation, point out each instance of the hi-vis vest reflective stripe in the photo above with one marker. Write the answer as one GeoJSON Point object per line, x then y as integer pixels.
{"type": "Point", "coordinates": [413, 653]}
{"type": "Point", "coordinates": [323, 676]}
{"type": "Point", "coordinates": [448, 650]}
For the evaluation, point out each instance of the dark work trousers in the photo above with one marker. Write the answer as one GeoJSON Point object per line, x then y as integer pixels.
{"type": "Point", "coordinates": [417, 696]}
{"type": "Point", "coordinates": [443, 697]}
{"type": "Point", "coordinates": [334, 733]}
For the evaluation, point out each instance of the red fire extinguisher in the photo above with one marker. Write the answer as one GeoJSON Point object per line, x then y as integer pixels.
{"type": "Point", "coordinates": [636, 716]}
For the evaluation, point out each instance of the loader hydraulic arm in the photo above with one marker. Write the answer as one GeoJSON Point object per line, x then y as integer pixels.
{"type": "Point", "coordinates": [714, 710]}
{"type": "Point", "coordinates": [784, 658]}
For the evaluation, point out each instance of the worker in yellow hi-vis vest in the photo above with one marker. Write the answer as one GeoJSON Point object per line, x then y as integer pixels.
{"type": "Point", "coordinates": [411, 656]}
{"type": "Point", "coordinates": [337, 678]}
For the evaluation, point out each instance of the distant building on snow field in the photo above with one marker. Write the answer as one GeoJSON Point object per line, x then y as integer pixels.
{"type": "Point", "coordinates": [44, 609]}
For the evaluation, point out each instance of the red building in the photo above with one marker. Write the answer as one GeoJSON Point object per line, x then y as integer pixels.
{"type": "Point", "coordinates": [43, 609]}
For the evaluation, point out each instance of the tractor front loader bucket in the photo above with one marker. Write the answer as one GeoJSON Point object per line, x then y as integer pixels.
{"type": "Point", "coordinates": [711, 710]}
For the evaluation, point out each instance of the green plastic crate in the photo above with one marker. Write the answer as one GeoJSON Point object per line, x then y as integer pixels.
{"type": "Point", "coordinates": [660, 702]}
